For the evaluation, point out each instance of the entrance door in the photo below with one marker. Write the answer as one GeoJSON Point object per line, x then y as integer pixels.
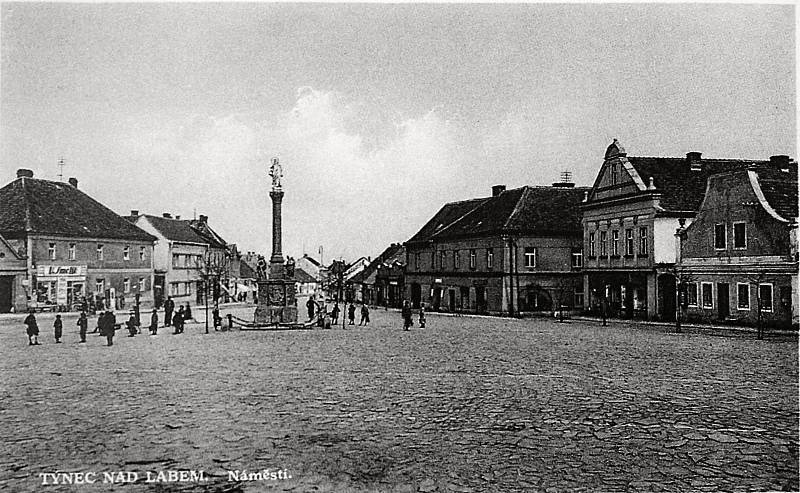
{"type": "Point", "coordinates": [452, 300]}
{"type": "Point", "coordinates": [6, 282]}
{"type": "Point", "coordinates": [480, 299]}
{"type": "Point", "coordinates": [437, 298]}
{"type": "Point", "coordinates": [416, 295]}
{"type": "Point", "coordinates": [666, 296]}
{"type": "Point", "coordinates": [723, 300]}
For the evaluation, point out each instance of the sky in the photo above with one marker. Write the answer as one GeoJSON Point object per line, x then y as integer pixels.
{"type": "Point", "coordinates": [378, 113]}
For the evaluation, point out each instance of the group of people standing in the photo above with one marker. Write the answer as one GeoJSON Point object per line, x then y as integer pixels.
{"type": "Point", "coordinates": [408, 315]}
{"type": "Point", "coordinates": [313, 308]}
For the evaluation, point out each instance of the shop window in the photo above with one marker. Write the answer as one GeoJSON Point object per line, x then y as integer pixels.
{"type": "Point", "coordinates": [765, 297]}
{"type": "Point", "coordinates": [51, 251]}
{"type": "Point", "coordinates": [719, 237]}
{"type": "Point", "coordinates": [740, 235]}
{"type": "Point", "coordinates": [530, 257]}
{"type": "Point", "coordinates": [628, 242]}
{"type": "Point", "coordinates": [691, 294]}
{"type": "Point", "coordinates": [708, 294]}
{"type": "Point", "coordinates": [743, 296]}
{"type": "Point", "coordinates": [71, 251]}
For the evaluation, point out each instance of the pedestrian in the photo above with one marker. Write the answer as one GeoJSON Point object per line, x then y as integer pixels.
{"type": "Point", "coordinates": [33, 329]}
{"type": "Point", "coordinates": [83, 324]}
{"type": "Point", "coordinates": [604, 310]}
{"type": "Point", "coordinates": [422, 315]}
{"type": "Point", "coordinates": [131, 323]}
{"type": "Point", "coordinates": [310, 305]}
{"type": "Point", "coordinates": [169, 307]}
{"type": "Point", "coordinates": [335, 314]}
{"type": "Point", "coordinates": [406, 312]}
{"type": "Point", "coordinates": [216, 317]}
{"type": "Point", "coordinates": [109, 326]}
{"type": "Point", "coordinates": [364, 315]}
{"type": "Point", "coordinates": [187, 315]}
{"type": "Point", "coordinates": [154, 322]}
{"type": "Point", "coordinates": [177, 321]}
{"type": "Point", "coordinates": [58, 327]}
{"type": "Point", "coordinates": [351, 314]}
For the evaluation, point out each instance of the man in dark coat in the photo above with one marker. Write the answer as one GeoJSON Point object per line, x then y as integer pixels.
{"type": "Point", "coordinates": [131, 323]}
{"type": "Point", "coordinates": [177, 321]}
{"type": "Point", "coordinates": [154, 322]}
{"type": "Point", "coordinates": [406, 312]}
{"type": "Point", "coordinates": [187, 315]}
{"type": "Point", "coordinates": [335, 314]}
{"type": "Point", "coordinates": [58, 329]}
{"type": "Point", "coordinates": [32, 330]}
{"type": "Point", "coordinates": [364, 315]}
{"type": "Point", "coordinates": [108, 326]}
{"type": "Point", "coordinates": [83, 324]}
{"type": "Point", "coordinates": [310, 305]}
{"type": "Point", "coordinates": [169, 307]}
{"type": "Point", "coordinates": [351, 314]}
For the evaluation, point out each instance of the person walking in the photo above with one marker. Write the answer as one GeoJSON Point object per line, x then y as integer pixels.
{"type": "Point", "coordinates": [422, 315]}
{"type": "Point", "coordinates": [406, 312]}
{"type": "Point", "coordinates": [33, 329]}
{"type": "Point", "coordinates": [83, 324]}
{"type": "Point", "coordinates": [310, 305]}
{"type": "Point", "coordinates": [216, 317]}
{"type": "Point", "coordinates": [58, 328]}
{"type": "Point", "coordinates": [335, 314]}
{"type": "Point", "coordinates": [364, 315]}
{"type": "Point", "coordinates": [154, 322]}
{"type": "Point", "coordinates": [351, 314]}
{"type": "Point", "coordinates": [169, 307]}
{"type": "Point", "coordinates": [177, 321]}
{"type": "Point", "coordinates": [131, 324]}
{"type": "Point", "coordinates": [108, 326]}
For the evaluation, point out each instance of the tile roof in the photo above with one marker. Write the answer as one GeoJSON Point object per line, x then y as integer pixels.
{"type": "Point", "coordinates": [537, 210]}
{"type": "Point", "coordinates": [174, 229]}
{"type": "Point", "coordinates": [681, 188]}
{"type": "Point", "coordinates": [448, 214]}
{"type": "Point", "coordinates": [204, 230]}
{"type": "Point", "coordinates": [46, 207]}
{"type": "Point", "coordinates": [780, 190]}
{"type": "Point", "coordinates": [302, 276]}
{"type": "Point", "coordinates": [394, 252]}
{"type": "Point", "coordinates": [245, 271]}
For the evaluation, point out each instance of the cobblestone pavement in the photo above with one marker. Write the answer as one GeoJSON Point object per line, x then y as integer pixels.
{"type": "Point", "coordinates": [467, 404]}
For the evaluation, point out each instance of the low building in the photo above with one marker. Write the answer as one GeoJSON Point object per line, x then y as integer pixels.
{"type": "Point", "coordinates": [739, 259]}
{"type": "Point", "coordinates": [516, 252]}
{"type": "Point", "coordinates": [13, 279]}
{"type": "Point", "coordinates": [77, 250]}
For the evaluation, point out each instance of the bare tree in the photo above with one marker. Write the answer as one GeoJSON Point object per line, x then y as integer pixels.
{"type": "Point", "coordinates": [214, 266]}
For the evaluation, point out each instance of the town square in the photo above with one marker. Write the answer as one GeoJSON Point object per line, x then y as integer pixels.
{"type": "Point", "coordinates": [402, 247]}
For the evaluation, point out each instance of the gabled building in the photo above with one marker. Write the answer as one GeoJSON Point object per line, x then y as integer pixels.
{"type": "Point", "coordinates": [739, 259]}
{"type": "Point", "coordinates": [188, 254]}
{"type": "Point", "coordinates": [375, 292]}
{"type": "Point", "coordinates": [13, 279]}
{"type": "Point", "coordinates": [76, 249]}
{"type": "Point", "coordinates": [630, 219]}
{"type": "Point", "coordinates": [516, 252]}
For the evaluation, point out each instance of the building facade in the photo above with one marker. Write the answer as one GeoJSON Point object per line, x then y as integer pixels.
{"type": "Point", "coordinates": [739, 257]}
{"type": "Point", "coordinates": [77, 251]}
{"type": "Point", "coordinates": [517, 252]}
{"type": "Point", "coordinates": [13, 279]}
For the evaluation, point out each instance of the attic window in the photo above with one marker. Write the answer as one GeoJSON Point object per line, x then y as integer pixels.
{"type": "Point", "coordinates": [614, 174]}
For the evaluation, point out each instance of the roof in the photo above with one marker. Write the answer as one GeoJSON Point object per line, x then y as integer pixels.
{"type": "Point", "coordinates": [34, 206]}
{"type": "Point", "coordinates": [392, 253]}
{"type": "Point", "coordinates": [203, 229]}
{"type": "Point", "coordinates": [780, 190]}
{"type": "Point", "coordinates": [302, 276]}
{"type": "Point", "coordinates": [174, 229]}
{"type": "Point", "coordinates": [245, 271]}
{"type": "Point", "coordinates": [311, 259]}
{"type": "Point", "coordinates": [532, 210]}
{"type": "Point", "coordinates": [680, 187]}
{"type": "Point", "coordinates": [448, 214]}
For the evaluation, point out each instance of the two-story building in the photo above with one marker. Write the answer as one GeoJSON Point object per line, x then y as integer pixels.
{"type": "Point", "coordinates": [630, 218]}
{"type": "Point", "coordinates": [516, 252]}
{"type": "Point", "coordinates": [76, 249]}
{"type": "Point", "coordinates": [13, 279]}
{"type": "Point", "coordinates": [739, 256]}
{"type": "Point", "coordinates": [184, 258]}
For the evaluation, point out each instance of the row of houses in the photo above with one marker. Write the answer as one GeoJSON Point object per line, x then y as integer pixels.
{"type": "Point", "coordinates": [716, 237]}
{"type": "Point", "coordinates": [61, 250]}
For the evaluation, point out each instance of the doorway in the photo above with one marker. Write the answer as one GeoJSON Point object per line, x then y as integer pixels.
{"type": "Point", "coordinates": [6, 283]}
{"type": "Point", "coordinates": [723, 300]}
{"type": "Point", "coordinates": [416, 295]}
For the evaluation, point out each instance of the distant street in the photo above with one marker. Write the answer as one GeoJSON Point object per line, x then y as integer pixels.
{"type": "Point", "coordinates": [467, 404]}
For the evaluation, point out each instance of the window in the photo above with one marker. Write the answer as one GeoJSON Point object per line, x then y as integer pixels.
{"type": "Point", "coordinates": [141, 284]}
{"type": "Point", "coordinates": [489, 258]}
{"type": "Point", "coordinates": [614, 176]}
{"type": "Point", "coordinates": [141, 253]}
{"type": "Point", "coordinates": [643, 240]}
{"type": "Point", "coordinates": [743, 296]}
{"type": "Point", "coordinates": [51, 251]}
{"type": "Point", "coordinates": [577, 259]}
{"type": "Point", "coordinates": [99, 251]}
{"type": "Point", "coordinates": [578, 302]}
{"type": "Point", "coordinates": [416, 261]}
{"type": "Point", "coordinates": [739, 235]}
{"type": "Point", "coordinates": [442, 259]}
{"type": "Point", "coordinates": [765, 297]}
{"type": "Point", "coordinates": [591, 244]}
{"type": "Point", "coordinates": [99, 286]}
{"type": "Point", "coordinates": [719, 237]}
{"type": "Point", "coordinates": [126, 285]}
{"type": "Point", "coordinates": [530, 257]}
{"type": "Point", "coordinates": [71, 251]}
{"type": "Point", "coordinates": [603, 243]}
{"type": "Point", "coordinates": [188, 288]}
{"type": "Point", "coordinates": [473, 257]}
{"type": "Point", "coordinates": [691, 294]}
{"type": "Point", "coordinates": [615, 242]}
{"type": "Point", "coordinates": [456, 259]}
{"type": "Point", "coordinates": [708, 294]}
{"type": "Point", "coordinates": [628, 242]}
{"type": "Point", "coordinates": [126, 253]}
{"type": "Point", "coordinates": [175, 260]}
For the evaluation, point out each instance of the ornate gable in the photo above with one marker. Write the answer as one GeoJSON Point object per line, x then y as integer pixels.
{"type": "Point", "coordinates": [617, 176]}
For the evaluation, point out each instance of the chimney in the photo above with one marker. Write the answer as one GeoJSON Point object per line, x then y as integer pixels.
{"type": "Point", "coordinates": [203, 219]}
{"type": "Point", "coordinates": [693, 158]}
{"type": "Point", "coordinates": [167, 215]}
{"type": "Point", "coordinates": [177, 217]}
{"type": "Point", "coordinates": [73, 182]}
{"type": "Point", "coordinates": [24, 173]}
{"type": "Point", "coordinates": [497, 190]}
{"type": "Point", "coordinates": [780, 162]}
{"type": "Point", "coordinates": [134, 213]}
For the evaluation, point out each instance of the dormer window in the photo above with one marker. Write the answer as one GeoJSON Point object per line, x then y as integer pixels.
{"type": "Point", "coordinates": [614, 174]}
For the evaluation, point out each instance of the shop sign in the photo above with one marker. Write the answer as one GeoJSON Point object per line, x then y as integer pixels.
{"type": "Point", "coordinates": [61, 270]}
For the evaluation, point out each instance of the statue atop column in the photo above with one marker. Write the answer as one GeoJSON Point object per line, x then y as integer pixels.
{"type": "Point", "coordinates": [276, 172]}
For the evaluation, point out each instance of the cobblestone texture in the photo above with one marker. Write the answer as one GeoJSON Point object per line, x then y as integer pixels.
{"type": "Point", "coordinates": [465, 405]}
